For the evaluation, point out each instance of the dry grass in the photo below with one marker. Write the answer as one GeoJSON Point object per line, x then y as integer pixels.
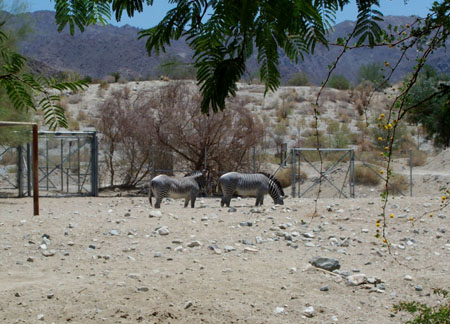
{"type": "Point", "coordinates": [284, 175]}
{"type": "Point", "coordinates": [366, 176]}
{"type": "Point", "coordinates": [398, 184]}
{"type": "Point", "coordinates": [419, 158]}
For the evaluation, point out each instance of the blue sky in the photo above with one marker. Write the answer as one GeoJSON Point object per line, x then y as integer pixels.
{"type": "Point", "coordinates": [152, 15]}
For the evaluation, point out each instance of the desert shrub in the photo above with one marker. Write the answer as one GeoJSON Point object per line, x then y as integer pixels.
{"type": "Point", "coordinates": [419, 158]}
{"type": "Point", "coordinates": [82, 116]}
{"type": "Point", "coordinates": [341, 137]}
{"type": "Point", "coordinates": [88, 79]}
{"type": "Point", "coordinates": [333, 126]}
{"type": "Point", "coordinates": [284, 110]}
{"type": "Point", "coordinates": [104, 85]}
{"type": "Point", "coordinates": [75, 98]}
{"type": "Point", "coordinates": [366, 176]}
{"type": "Point", "coordinates": [284, 176]}
{"type": "Point", "coordinates": [398, 184]}
{"type": "Point", "coordinates": [299, 79]}
{"type": "Point", "coordinates": [425, 314]}
{"type": "Point", "coordinates": [340, 82]}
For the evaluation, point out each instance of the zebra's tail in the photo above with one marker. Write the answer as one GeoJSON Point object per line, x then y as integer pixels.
{"type": "Point", "coordinates": [150, 194]}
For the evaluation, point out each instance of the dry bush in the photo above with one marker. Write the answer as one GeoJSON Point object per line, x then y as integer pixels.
{"type": "Point", "coordinates": [75, 98]}
{"type": "Point", "coordinates": [366, 176]}
{"type": "Point", "coordinates": [126, 139]}
{"type": "Point", "coordinates": [227, 136]}
{"type": "Point", "coordinates": [419, 158]}
{"type": "Point", "coordinates": [104, 85]}
{"type": "Point", "coordinates": [284, 176]}
{"type": "Point", "coordinates": [344, 115]}
{"type": "Point", "coordinates": [398, 184]}
{"type": "Point", "coordinates": [82, 116]}
{"type": "Point", "coordinates": [283, 111]}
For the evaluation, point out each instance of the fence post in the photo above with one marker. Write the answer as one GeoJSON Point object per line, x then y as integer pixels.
{"type": "Point", "coordinates": [254, 159]}
{"type": "Point", "coordinates": [293, 173]}
{"type": "Point", "coordinates": [94, 163]}
{"type": "Point", "coordinates": [19, 170]}
{"type": "Point", "coordinates": [410, 173]}
{"type": "Point", "coordinates": [205, 152]}
{"type": "Point", "coordinates": [153, 161]}
{"type": "Point", "coordinates": [29, 169]}
{"type": "Point", "coordinates": [352, 174]}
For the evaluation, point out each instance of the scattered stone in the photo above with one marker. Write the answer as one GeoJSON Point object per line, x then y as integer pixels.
{"type": "Point", "coordinates": [324, 288]}
{"type": "Point", "coordinates": [228, 248]}
{"type": "Point", "coordinates": [188, 304]}
{"type": "Point", "coordinates": [163, 230]}
{"type": "Point", "coordinates": [155, 213]}
{"type": "Point", "coordinates": [114, 232]}
{"type": "Point", "coordinates": [255, 210]}
{"type": "Point", "coordinates": [249, 249]}
{"type": "Point", "coordinates": [418, 288]}
{"type": "Point", "coordinates": [142, 289]}
{"type": "Point", "coordinates": [408, 278]}
{"type": "Point", "coordinates": [48, 253]}
{"type": "Point", "coordinates": [325, 263]}
{"type": "Point", "coordinates": [308, 311]}
{"type": "Point", "coordinates": [246, 224]}
{"type": "Point", "coordinates": [278, 310]}
{"type": "Point", "coordinates": [30, 259]}
{"type": "Point", "coordinates": [308, 235]}
{"type": "Point", "coordinates": [157, 254]}
{"type": "Point", "coordinates": [310, 244]}
{"type": "Point", "coordinates": [365, 230]}
{"type": "Point", "coordinates": [40, 317]}
{"type": "Point", "coordinates": [16, 294]}
{"type": "Point", "coordinates": [356, 279]}
{"type": "Point", "coordinates": [194, 244]}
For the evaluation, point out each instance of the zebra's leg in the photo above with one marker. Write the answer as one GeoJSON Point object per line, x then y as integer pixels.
{"type": "Point", "coordinates": [186, 202]}
{"type": "Point", "coordinates": [158, 202]}
{"type": "Point", "coordinates": [193, 201]}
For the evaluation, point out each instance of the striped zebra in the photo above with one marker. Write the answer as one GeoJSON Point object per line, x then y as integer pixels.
{"type": "Point", "coordinates": [253, 185]}
{"type": "Point", "coordinates": [163, 186]}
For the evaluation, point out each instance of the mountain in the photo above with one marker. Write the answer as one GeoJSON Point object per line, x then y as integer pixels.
{"type": "Point", "coordinates": [102, 50]}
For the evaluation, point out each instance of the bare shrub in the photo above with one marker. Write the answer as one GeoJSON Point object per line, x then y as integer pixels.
{"type": "Point", "coordinates": [82, 116]}
{"type": "Point", "coordinates": [180, 126]}
{"type": "Point", "coordinates": [398, 184]}
{"type": "Point", "coordinates": [126, 139]}
{"type": "Point", "coordinates": [419, 158]}
{"type": "Point", "coordinates": [366, 176]}
{"type": "Point", "coordinates": [284, 176]}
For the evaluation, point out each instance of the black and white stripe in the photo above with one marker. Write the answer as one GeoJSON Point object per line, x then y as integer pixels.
{"type": "Point", "coordinates": [163, 186]}
{"type": "Point", "coordinates": [250, 184]}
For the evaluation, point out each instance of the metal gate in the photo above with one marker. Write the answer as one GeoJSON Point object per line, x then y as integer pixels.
{"type": "Point", "coordinates": [68, 165]}
{"type": "Point", "coordinates": [324, 176]}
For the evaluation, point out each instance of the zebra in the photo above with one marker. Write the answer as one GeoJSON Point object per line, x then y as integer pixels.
{"type": "Point", "coordinates": [252, 184]}
{"type": "Point", "coordinates": [163, 186]}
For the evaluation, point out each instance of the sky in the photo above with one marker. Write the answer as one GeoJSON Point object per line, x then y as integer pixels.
{"type": "Point", "coordinates": [151, 16]}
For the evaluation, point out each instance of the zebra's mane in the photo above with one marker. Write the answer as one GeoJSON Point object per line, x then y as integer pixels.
{"type": "Point", "coordinates": [274, 180]}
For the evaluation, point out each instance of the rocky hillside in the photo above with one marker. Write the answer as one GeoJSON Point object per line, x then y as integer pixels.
{"type": "Point", "coordinates": [102, 50]}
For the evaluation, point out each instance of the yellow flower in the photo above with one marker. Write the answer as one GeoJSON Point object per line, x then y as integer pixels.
{"type": "Point", "coordinates": [404, 33]}
{"type": "Point", "coordinates": [386, 148]}
{"type": "Point", "coordinates": [386, 63]}
{"type": "Point", "coordinates": [382, 116]}
{"type": "Point", "coordinates": [390, 45]}
{"type": "Point", "coordinates": [381, 171]}
{"type": "Point", "coordinates": [431, 215]}
{"type": "Point", "coordinates": [444, 197]}
{"type": "Point", "coordinates": [389, 125]}
{"type": "Point", "coordinates": [378, 224]}
{"type": "Point", "coordinates": [391, 215]}
{"type": "Point", "coordinates": [385, 127]}
{"type": "Point", "coordinates": [411, 219]}
{"type": "Point", "coordinates": [381, 154]}
{"type": "Point", "coordinates": [384, 240]}
{"type": "Point", "coordinates": [380, 138]}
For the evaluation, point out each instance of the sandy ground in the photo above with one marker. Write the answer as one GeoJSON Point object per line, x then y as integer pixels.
{"type": "Point", "coordinates": [109, 261]}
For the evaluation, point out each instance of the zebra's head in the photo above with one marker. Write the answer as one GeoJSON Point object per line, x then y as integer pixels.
{"type": "Point", "coordinates": [203, 179]}
{"type": "Point", "coordinates": [276, 191]}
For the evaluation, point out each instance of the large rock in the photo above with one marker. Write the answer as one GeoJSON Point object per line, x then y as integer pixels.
{"type": "Point", "coordinates": [325, 263]}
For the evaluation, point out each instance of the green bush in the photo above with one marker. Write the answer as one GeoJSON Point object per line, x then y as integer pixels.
{"type": "Point", "coordinates": [340, 82]}
{"type": "Point", "coordinates": [299, 79]}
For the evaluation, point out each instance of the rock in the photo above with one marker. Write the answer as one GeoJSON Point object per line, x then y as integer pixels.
{"type": "Point", "coordinates": [365, 230]}
{"type": "Point", "coordinates": [324, 288]}
{"type": "Point", "coordinates": [310, 244]}
{"type": "Point", "coordinates": [48, 253]}
{"type": "Point", "coordinates": [232, 210]}
{"type": "Point", "coordinates": [155, 213]}
{"type": "Point", "coordinates": [114, 232]}
{"type": "Point", "coordinates": [163, 230]}
{"type": "Point", "coordinates": [249, 249]}
{"type": "Point", "coordinates": [194, 244]}
{"type": "Point", "coordinates": [308, 311]}
{"type": "Point", "coordinates": [30, 259]}
{"type": "Point", "coordinates": [356, 279]}
{"type": "Point", "coordinates": [308, 235]}
{"type": "Point", "coordinates": [325, 263]}
{"type": "Point", "coordinates": [142, 289]}
{"type": "Point", "coordinates": [136, 276]}
{"type": "Point", "coordinates": [157, 254]}
{"type": "Point", "coordinates": [246, 224]}
{"type": "Point", "coordinates": [418, 288]}
{"type": "Point", "coordinates": [255, 210]}
{"type": "Point", "coordinates": [278, 310]}
{"type": "Point", "coordinates": [228, 248]}
{"type": "Point", "coordinates": [408, 278]}
{"type": "Point", "coordinates": [188, 304]}
{"type": "Point", "coordinates": [40, 317]}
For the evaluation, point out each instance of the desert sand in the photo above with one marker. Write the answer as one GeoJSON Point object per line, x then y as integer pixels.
{"type": "Point", "coordinates": [116, 260]}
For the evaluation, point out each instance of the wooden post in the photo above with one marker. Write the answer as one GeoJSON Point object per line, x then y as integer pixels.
{"type": "Point", "coordinates": [35, 171]}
